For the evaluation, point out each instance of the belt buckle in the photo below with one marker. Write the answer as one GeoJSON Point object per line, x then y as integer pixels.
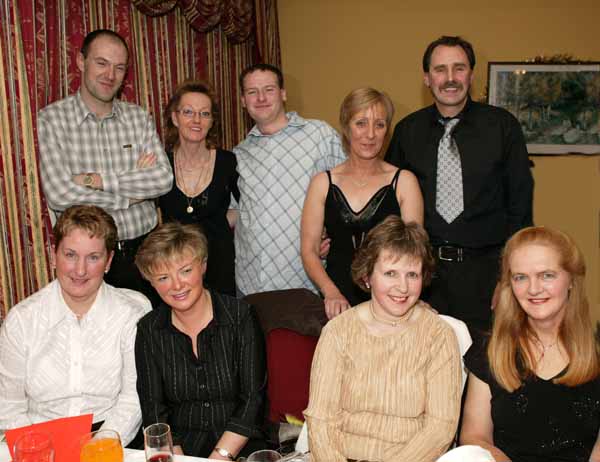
{"type": "Point", "coordinates": [459, 253]}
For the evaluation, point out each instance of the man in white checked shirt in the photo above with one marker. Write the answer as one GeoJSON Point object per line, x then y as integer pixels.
{"type": "Point", "coordinates": [276, 161]}
{"type": "Point", "coordinates": [98, 150]}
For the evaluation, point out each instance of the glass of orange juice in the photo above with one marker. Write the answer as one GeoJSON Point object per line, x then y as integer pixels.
{"type": "Point", "coordinates": [101, 446]}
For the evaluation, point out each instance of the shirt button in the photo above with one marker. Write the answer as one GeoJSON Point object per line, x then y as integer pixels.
{"type": "Point", "coordinates": [206, 404]}
{"type": "Point", "coordinates": [202, 386]}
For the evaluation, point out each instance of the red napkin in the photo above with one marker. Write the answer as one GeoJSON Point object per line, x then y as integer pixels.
{"type": "Point", "coordinates": [65, 434]}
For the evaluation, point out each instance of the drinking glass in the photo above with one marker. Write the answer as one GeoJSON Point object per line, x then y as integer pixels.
{"type": "Point", "coordinates": [158, 443]}
{"type": "Point", "coordinates": [265, 455]}
{"type": "Point", "coordinates": [34, 447]}
{"type": "Point", "coordinates": [101, 446]}
{"type": "Point", "coordinates": [296, 457]}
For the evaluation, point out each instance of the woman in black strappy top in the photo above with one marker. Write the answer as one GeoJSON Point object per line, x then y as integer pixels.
{"type": "Point", "coordinates": [349, 200]}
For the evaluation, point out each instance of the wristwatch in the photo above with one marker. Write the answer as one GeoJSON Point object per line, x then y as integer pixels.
{"type": "Point", "coordinates": [224, 453]}
{"type": "Point", "coordinates": [88, 180]}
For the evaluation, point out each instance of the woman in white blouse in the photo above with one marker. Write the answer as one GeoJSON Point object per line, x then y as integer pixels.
{"type": "Point", "coordinates": [68, 349]}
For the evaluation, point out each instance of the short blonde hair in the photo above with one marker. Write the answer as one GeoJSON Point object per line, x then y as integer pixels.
{"type": "Point", "coordinates": [169, 242]}
{"type": "Point", "coordinates": [359, 100]}
{"type": "Point", "coordinates": [400, 239]}
{"type": "Point", "coordinates": [510, 357]}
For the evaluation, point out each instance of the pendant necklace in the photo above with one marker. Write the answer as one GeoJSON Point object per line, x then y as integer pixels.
{"type": "Point", "coordinates": [190, 208]}
{"type": "Point", "coordinates": [399, 319]}
{"type": "Point", "coordinates": [546, 347]}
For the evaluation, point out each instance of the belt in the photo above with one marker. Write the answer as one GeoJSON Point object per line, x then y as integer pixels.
{"type": "Point", "coordinates": [458, 254]}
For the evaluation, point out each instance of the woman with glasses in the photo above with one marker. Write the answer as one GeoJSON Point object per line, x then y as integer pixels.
{"type": "Point", "coordinates": [205, 177]}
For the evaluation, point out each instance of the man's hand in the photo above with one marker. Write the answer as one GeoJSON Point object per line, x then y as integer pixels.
{"type": "Point", "coordinates": [324, 246]}
{"type": "Point", "coordinates": [146, 159]}
{"type": "Point", "coordinates": [335, 303]}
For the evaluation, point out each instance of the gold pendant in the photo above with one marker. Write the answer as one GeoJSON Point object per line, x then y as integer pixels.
{"type": "Point", "coordinates": [189, 209]}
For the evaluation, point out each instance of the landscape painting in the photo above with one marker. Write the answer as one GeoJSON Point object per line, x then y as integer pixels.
{"type": "Point", "coordinates": [558, 105]}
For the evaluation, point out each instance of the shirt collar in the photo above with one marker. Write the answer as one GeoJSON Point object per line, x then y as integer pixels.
{"type": "Point", "coordinates": [83, 112]}
{"type": "Point", "coordinates": [294, 120]}
{"type": "Point", "coordinates": [462, 115]}
{"type": "Point", "coordinates": [163, 317]}
{"type": "Point", "coordinates": [59, 309]}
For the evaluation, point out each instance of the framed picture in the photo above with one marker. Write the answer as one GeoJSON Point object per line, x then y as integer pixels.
{"type": "Point", "coordinates": [558, 105]}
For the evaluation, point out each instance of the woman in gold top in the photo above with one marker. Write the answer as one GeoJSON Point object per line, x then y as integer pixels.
{"type": "Point", "coordinates": [386, 376]}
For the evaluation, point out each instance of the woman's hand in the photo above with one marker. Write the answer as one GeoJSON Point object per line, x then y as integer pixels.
{"type": "Point", "coordinates": [216, 456]}
{"type": "Point", "coordinates": [335, 303]}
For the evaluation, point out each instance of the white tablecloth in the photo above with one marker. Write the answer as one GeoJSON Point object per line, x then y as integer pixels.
{"type": "Point", "coordinates": [131, 455]}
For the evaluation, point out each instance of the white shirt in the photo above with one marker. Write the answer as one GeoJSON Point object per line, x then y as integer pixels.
{"type": "Point", "coordinates": [52, 365]}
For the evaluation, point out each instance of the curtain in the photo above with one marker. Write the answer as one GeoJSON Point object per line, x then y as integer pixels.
{"type": "Point", "coordinates": [39, 42]}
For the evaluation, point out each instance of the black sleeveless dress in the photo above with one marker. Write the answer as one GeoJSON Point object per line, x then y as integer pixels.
{"type": "Point", "coordinates": [347, 229]}
{"type": "Point", "coordinates": [210, 208]}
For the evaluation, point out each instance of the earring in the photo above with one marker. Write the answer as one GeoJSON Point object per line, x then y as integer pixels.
{"type": "Point", "coordinates": [368, 285]}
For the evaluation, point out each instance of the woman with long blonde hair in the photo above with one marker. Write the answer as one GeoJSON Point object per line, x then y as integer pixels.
{"type": "Point", "coordinates": [534, 390]}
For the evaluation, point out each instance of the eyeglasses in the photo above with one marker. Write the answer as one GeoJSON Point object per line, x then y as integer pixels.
{"type": "Point", "coordinates": [190, 113]}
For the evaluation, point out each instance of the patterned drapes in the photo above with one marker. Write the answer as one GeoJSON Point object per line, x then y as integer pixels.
{"type": "Point", "coordinates": [39, 41]}
{"type": "Point", "coordinates": [235, 16]}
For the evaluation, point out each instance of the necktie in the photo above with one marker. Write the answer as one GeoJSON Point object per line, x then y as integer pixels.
{"type": "Point", "coordinates": [449, 191]}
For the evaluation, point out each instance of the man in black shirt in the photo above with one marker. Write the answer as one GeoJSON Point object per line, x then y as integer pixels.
{"type": "Point", "coordinates": [491, 186]}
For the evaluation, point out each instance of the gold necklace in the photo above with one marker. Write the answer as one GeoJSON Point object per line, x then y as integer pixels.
{"type": "Point", "coordinates": [189, 197]}
{"type": "Point", "coordinates": [359, 184]}
{"type": "Point", "coordinates": [405, 317]}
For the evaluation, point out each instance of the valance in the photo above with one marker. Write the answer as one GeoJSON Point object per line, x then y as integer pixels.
{"type": "Point", "coordinates": [235, 16]}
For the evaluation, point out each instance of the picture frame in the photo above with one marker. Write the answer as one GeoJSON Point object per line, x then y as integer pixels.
{"type": "Point", "coordinates": [557, 104]}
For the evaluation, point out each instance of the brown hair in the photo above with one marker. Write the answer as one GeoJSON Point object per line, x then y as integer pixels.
{"type": "Point", "coordinates": [89, 39]}
{"type": "Point", "coordinates": [172, 132]}
{"type": "Point", "coordinates": [448, 41]}
{"type": "Point", "coordinates": [90, 218]}
{"type": "Point", "coordinates": [509, 353]}
{"type": "Point", "coordinates": [263, 67]}
{"type": "Point", "coordinates": [359, 100]}
{"type": "Point", "coordinates": [169, 242]}
{"type": "Point", "coordinates": [397, 237]}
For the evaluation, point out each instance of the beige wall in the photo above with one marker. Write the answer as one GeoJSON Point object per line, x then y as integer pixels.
{"type": "Point", "coordinates": [330, 47]}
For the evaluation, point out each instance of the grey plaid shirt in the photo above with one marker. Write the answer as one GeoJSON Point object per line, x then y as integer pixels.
{"type": "Point", "coordinates": [73, 140]}
{"type": "Point", "coordinates": [275, 171]}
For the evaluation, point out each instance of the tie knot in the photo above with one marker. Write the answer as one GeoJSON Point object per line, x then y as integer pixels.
{"type": "Point", "coordinates": [449, 124]}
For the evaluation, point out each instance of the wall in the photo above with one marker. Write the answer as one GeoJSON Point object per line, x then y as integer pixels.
{"type": "Point", "coordinates": [330, 47]}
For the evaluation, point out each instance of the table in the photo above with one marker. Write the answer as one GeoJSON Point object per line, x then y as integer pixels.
{"type": "Point", "coordinates": [131, 455]}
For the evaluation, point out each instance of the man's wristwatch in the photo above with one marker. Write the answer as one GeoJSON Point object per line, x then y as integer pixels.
{"type": "Point", "coordinates": [224, 453]}
{"type": "Point", "coordinates": [88, 180]}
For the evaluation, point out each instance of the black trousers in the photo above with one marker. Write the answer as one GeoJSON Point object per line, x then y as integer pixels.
{"type": "Point", "coordinates": [464, 289]}
{"type": "Point", "coordinates": [123, 272]}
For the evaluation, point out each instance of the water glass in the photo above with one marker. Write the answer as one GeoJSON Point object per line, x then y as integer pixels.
{"type": "Point", "coordinates": [158, 443]}
{"type": "Point", "coordinates": [265, 455]}
{"type": "Point", "coordinates": [34, 447]}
